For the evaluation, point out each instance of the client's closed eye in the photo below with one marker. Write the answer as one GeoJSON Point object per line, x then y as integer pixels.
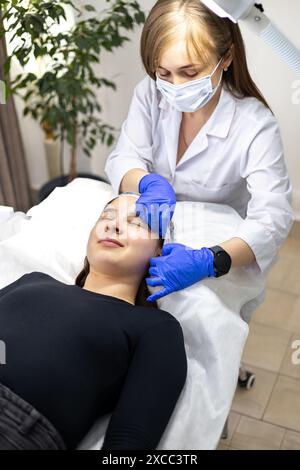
{"type": "Point", "coordinates": [135, 221]}
{"type": "Point", "coordinates": [131, 220]}
{"type": "Point", "coordinates": [106, 216]}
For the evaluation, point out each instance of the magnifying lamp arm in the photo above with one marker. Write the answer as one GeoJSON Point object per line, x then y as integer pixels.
{"type": "Point", "coordinates": [261, 25]}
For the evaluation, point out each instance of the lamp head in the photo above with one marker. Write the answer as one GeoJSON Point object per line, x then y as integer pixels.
{"type": "Point", "coordinates": [232, 9]}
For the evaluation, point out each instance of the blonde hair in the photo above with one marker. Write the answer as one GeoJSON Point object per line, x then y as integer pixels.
{"type": "Point", "coordinates": [204, 33]}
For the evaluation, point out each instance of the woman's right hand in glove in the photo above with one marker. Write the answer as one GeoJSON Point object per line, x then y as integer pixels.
{"type": "Point", "coordinates": [156, 203]}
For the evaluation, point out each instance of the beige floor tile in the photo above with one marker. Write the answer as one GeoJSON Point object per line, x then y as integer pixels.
{"type": "Point", "coordinates": [297, 314]}
{"type": "Point", "coordinates": [285, 274]}
{"type": "Point", "coordinates": [233, 420]}
{"type": "Point", "coordinates": [222, 446]}
{"type": "Point", "coordinates": [291, 441]}
{"type": "Point", "coordinates": [291, 282]}
{"type": "Point", "coordinates": [295, 230]}
{"type": "Point", "coordinates": [280, 310]}
{"type": "Point", "coordinates": [252, 434]}
{"type": "Point", "coordinates": [265, 347]}
{"type": "Point", "coordinates": [253, 402]}
{"type": "Point", "coordinates": [290, 247]}
{"type": "Point", "coordinates": [288, 367]}
{"type": "Point", "coordinates": [284, 406]}
{"type": "Point", "coordinates": [279, 272]}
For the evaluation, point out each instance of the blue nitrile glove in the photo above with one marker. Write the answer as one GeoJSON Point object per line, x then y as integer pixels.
{"type": "Point", "coordinates": [156, 203]}
{"type": "Point", "coordinates": [179, 267]}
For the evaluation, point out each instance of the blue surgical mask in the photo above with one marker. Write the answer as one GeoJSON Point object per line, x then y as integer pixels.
{"type": "Point", "coordinates": [190, 96]}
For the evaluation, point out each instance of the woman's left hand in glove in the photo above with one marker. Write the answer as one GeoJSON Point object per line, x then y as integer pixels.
{"type": "Point", "coordinates": [179, 266]}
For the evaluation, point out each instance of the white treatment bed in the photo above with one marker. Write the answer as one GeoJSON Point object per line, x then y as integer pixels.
{"type": "Point", "coordinates": [214, 313]}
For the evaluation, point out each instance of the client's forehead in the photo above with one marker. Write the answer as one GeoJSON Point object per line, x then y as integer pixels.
{"type": "Point", "coordinates": [124, 205]}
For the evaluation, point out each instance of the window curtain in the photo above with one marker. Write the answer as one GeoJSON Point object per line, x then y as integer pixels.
{"type": "Point", "coordinates": [14, 181]}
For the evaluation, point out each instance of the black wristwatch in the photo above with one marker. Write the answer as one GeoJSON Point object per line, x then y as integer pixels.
{"type": "Point", "coordinates": [222, 260]}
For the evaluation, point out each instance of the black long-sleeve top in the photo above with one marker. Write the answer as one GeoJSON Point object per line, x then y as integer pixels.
{"type": "Point", "coordinates": [76, 355]}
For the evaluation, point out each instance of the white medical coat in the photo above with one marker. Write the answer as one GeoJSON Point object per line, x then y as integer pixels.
{"type": "Point", "coordinates": [236, 159]}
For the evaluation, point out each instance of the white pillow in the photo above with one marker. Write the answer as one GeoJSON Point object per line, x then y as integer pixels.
{"type": "Point", "coordinates": [52, 238]}
{"type": "Point", "coordinates": [5, 213]}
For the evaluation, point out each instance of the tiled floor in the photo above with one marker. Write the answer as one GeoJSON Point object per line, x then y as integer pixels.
{"type": "Point", "coordinates": [268, 415]}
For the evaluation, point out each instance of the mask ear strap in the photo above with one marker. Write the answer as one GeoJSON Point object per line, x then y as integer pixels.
{"type": "Point", "coordinates": [222, 58]}
{"type": "Point", "coordinates": [218, 84]}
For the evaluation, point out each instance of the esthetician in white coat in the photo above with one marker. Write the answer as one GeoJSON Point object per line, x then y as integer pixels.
{"type": "Point", "coordinates": [202, 132]}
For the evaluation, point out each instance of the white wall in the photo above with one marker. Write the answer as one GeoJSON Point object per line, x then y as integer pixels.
{"type": "Point", "coordinates": [276, 82]}
{"type": "Point", "coordinates": [273, 77]}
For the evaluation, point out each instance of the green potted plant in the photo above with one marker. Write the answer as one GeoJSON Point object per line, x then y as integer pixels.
{"type": "Point", "coordinates": [62, 99]}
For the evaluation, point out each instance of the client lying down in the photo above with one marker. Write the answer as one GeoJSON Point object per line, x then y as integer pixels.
{"type": "Point", "coordinates": [77, 352]}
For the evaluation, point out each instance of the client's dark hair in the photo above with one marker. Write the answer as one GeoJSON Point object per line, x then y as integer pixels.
{"type": "Point", "coordinates": [142, 292]}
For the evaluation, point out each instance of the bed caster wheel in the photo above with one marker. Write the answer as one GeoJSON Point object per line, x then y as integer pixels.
{"type": "Point", "coordinates": [247, 381]}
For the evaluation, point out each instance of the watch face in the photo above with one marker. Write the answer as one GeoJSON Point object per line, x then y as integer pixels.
{"type": "Point", "coordinates": [222, 262]}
